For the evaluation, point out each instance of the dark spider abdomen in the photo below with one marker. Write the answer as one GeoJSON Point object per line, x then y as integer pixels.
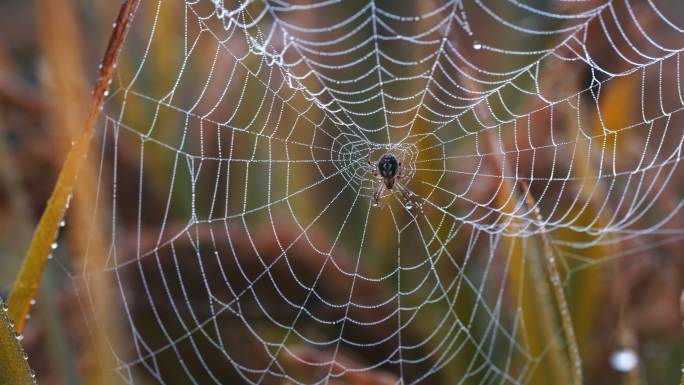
{"type": "Point", "coordinates": [388, 165]}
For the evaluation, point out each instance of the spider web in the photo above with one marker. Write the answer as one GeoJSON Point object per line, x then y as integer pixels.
{"type": "Point", "coordinates": [243, 239]}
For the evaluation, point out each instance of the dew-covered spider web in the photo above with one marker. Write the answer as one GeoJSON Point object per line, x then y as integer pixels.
{"type": "Point", "coordinates": [538, 139]}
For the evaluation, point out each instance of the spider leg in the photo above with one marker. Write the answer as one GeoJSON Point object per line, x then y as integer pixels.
{"type": "Point", "coordinates": [374, 170]}
{"type": "Point", "coordinates": [407, 194]}
{"type": "Point", "coordinates": [377, 194]}
{"type": "Point", "coordinates": [404, 191]}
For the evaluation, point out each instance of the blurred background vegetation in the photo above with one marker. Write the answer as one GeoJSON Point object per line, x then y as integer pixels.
{"type": "Point", "coordinates": [49, 54]}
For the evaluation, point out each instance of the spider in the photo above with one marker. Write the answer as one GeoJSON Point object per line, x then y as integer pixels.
{"type": "Point", "coordinates": [390, 171]}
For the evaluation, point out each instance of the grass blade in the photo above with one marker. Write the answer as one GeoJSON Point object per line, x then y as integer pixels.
{"type": "Point", "coordinates": [561, 301]}
{"type": "Point", "coordinates": [13, 366]}
{"type": "Point", "coordinates": [41, 245]}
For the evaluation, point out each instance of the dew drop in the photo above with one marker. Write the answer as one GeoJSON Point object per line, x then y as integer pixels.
{"type": "Point", "coordinates": [408, 205]}
{"type": "Point", "coordinates": [19, 336]}
{"type": "Point", "coordinates": [62, 223]}
{"type": "Point", "coordinates": [33, 302]}
{"type": "Point", "coordinates": [54, 246]}
{"type": "Point", "coordinates": [624, 360]}
{"type": "Point", "coordinates": [477, 45]}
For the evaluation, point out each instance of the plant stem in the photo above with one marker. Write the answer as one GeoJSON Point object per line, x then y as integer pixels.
{"type": "Point", "coordinates": [27, 282]}
{"type": "Point", "coordinates": [13, 367]}
{"type": "Point", "coordinates": [561, 301]}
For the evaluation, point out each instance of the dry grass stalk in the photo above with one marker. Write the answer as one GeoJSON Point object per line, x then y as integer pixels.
{"type": "Point", "coordinates": [561, 301]}
{"type": "Point", "coordinates": [507, 198]}
{"type": "Point", "coordinates": [65, 84]}
{"type": "Point", "coordinates": [28, 279]}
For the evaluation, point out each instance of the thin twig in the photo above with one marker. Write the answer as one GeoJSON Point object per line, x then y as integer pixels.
{"type": "Point", "coordinates": [41, 245]}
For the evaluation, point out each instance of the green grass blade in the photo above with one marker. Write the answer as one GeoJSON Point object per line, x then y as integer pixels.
{"type": "Point", "coordinates": [13, 366]}
{"type": "Point", "coordinates": [40, 248]}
